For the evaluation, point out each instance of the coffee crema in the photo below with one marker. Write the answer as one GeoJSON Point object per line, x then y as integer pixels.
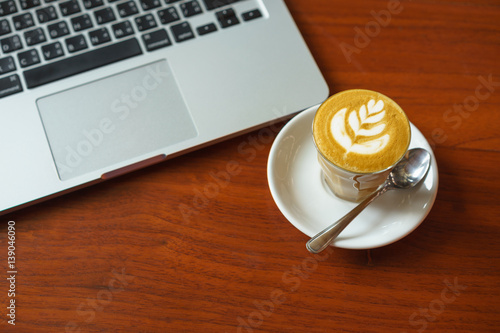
{"type": "Point", "coordinates": [361, 131]}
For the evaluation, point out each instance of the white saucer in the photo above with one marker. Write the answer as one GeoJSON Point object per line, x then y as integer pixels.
{"type": "Point", "coordinates": [299, 191]}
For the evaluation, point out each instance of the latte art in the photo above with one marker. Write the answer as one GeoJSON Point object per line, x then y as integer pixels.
{"type": "Point", "coordinates": [372, 113]}
{"type": "Point", "coordinates": [361, 131]}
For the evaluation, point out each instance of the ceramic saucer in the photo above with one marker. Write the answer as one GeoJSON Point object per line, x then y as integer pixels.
{"type": "Point", "coordinates": [297, 186]}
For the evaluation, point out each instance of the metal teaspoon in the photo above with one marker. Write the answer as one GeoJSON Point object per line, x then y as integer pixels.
{"type": "Point", "coordinates": [406, 174]}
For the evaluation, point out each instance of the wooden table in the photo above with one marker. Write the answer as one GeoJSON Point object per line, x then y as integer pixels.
{"type": "Point", "coordinates": [147, 253]}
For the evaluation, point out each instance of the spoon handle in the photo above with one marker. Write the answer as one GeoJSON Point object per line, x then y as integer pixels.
{"type": "Point", "coordinates": [319, 242]}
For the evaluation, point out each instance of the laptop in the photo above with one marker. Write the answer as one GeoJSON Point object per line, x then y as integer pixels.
{"type": "Point", "coordinates": [93, 89]}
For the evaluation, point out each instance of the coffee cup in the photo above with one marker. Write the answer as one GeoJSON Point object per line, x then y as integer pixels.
{"type": "Point", "coordinates": [360, 135]}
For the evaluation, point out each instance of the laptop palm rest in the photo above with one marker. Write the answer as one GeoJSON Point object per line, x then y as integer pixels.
{"type": "Point", "coordinates": [114, 119]}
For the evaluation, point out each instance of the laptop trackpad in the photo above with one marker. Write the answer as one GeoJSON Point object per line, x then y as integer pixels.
{"type": "Point", "coordinates": [120, 117]}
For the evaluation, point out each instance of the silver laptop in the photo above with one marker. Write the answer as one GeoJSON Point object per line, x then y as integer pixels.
{"type": "Point", "coordinates": [92, 89]}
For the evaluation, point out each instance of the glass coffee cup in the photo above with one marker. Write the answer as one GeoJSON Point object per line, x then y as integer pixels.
{"type": "Point", "coordinates": [360, 135]}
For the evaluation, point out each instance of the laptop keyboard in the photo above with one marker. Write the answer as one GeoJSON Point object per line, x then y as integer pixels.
{"type": "Point", "coordinates": [42, 41]}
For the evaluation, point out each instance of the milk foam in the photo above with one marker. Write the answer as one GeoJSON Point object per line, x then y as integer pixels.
{"type": "Point", "coordinates": [361, 131]}
{"type": "Point", "coordinates": [372, 113]}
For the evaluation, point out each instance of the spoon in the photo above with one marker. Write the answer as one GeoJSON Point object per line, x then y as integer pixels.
{"type": "Point", "coordinates": [406, 174]}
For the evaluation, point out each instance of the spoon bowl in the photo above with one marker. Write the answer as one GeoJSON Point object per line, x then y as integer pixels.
{"type": "Point", "coordinates": [409, 172]}
{"type": "Point", "coordinates": [411, 169]}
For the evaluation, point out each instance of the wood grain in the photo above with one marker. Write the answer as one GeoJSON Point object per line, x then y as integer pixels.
{"type": "Point", "coordinates": [146, 253]}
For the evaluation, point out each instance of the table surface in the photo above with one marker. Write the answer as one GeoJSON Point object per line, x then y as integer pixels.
{"type": "Point", "coordinates": [121, 256]}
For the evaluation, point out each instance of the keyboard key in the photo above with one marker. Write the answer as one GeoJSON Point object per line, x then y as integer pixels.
{"type": "Point", "coordinates": [81, 22]}
{"type": "Point", "coordinates": [127, 9]}
{"type": "Point", "coordinates": [227, 18]}
{"type": "Point", "coordinates": [156, 40]}
{"type": "Point", "coordinates": [99, 36]}
{"type": "Point", "coordinates": [206, 29]}
{"type": "Point", "coordinates": [89, 4]}
{"type": "Point", "coordinates": [4, 27]}
{"type": "Point", "coordinates": [122, 29]}
{"type": "Point", "coordinates": [35, 36]}
{"type": "Point", "coordinates": [168, 15]}
{"type": "Point", "coordinates": [80, 63]}
{"type": "Point", "coordinates": [27, 4]}
{"type": "Point", "coordinates": [212, 4]}
{"type": "Point", "coordinates": [10, 85]}
{"type": "Point", "coordinates": [28, 58]}
{"type": "Point", "coordinates": [191, 8]}
{"type": "Point", "coordinates": [7, 7]}
{"type": "Point", "coordinates": [59, 29]}
{"type": "Point", "coordinates": [171, 1]}
{"type": "Point", "coordinates": [145, 22]}
{"type": "Point", "coordinates": [11, 43]}
{"type": "Point", "coordinates": [150, 4]}
{"type": "Point", "coordinates": [104, 15]}
{"type": "Point", "coordinates": [76, 43]}
{"type": "Point", "coordinates": [69, 7]}
{"type": "Point", "coordinates": [23, 21]}
{"type": "Point", "coordinates": [182, 32]}
{"type": "Point", "coordinates": [251, 15]}
{"type": "Point", "coordinates": [51, 51]}
{"type": "Point", "coordinates": [46, 14]}
{"type": "Point", "coordinates": [7, 65]}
